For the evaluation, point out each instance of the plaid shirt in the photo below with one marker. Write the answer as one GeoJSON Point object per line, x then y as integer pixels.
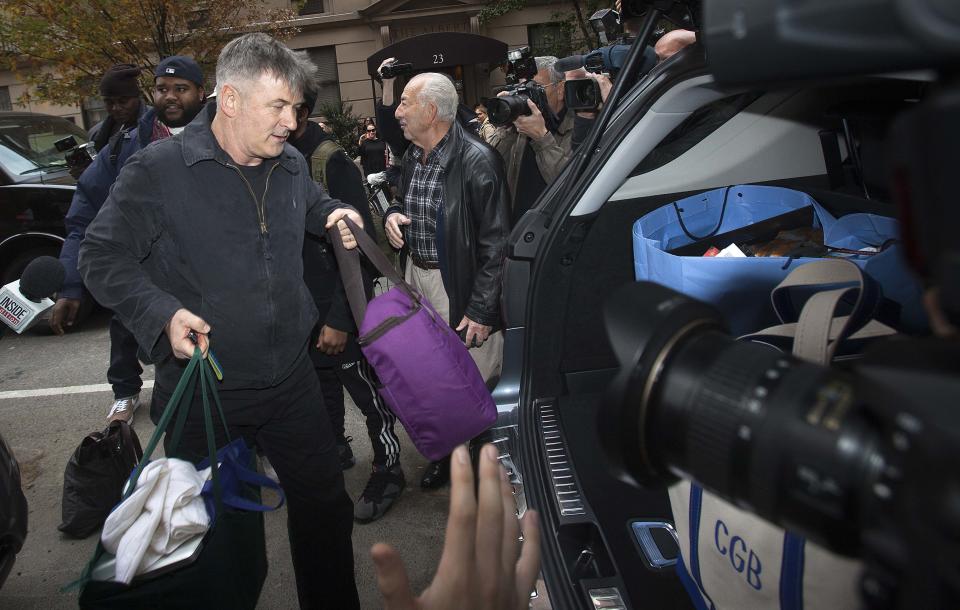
{"type": "Point", "coordinates": [422, 202]}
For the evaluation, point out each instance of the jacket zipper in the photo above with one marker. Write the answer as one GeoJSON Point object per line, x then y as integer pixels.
{"type": "Point", "coordinates": [264, 239]}
{"type": "Point", "coordinates": [261, 205]}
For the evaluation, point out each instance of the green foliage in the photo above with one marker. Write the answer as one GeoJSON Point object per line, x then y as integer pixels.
{"type": "Point", "coordinates": [60, 50]}
{"type": "Point", "coordinates": [344, 125]}
{"type": "Point", "coordinates": [492, 10]}
{"type": "Point", "coordinates": [574, 37]}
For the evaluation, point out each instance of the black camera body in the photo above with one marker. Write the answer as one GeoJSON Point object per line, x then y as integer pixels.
{"type": "Point", "coordinates": [521, 65]}
{"type": "Point", "coordinates": [78, 156]}
{"type": "Point", "coordinates": [395, 69]}
{"type": "Point", "coordinates": [504, 110]}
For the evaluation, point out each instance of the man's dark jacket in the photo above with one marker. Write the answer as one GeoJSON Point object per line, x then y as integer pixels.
{"type": "Point", "coordinates": [181, 229]}
{"type": "Point", "coordinates": [472, 225]}
{"type": "Point", "coordinates": [92, 190]}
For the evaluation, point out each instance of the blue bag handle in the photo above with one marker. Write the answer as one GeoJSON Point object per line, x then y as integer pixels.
{"type": "Point", "coordinates": [231, 465]}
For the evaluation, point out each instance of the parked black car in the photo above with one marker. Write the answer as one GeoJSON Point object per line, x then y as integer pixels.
{"type": "Point", "coordinates": [35, 189]}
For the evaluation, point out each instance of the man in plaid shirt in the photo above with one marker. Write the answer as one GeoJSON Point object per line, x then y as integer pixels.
{"type": "Point", "coordinates": [452, 224]}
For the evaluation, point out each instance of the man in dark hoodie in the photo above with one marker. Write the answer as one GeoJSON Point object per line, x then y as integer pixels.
{"type": "Point", "coordinates": [177, 98]}
{"type": "Point", "coordinates": [336, 357]}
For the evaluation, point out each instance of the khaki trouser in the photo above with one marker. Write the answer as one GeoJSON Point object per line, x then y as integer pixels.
{"type": "Point", "coordinates": [489, 356]}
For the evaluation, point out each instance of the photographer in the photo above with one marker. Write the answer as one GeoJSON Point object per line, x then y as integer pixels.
{"type": "Point", "coordinates": [533, 153]}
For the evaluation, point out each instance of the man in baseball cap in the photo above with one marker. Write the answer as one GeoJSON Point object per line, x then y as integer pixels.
{"type": "Point", "coordinates": [178, 91]}
{"type": "Point", "coordinates": [178, 95]}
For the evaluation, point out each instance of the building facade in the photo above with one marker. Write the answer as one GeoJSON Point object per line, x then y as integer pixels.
{"type": "Point", "coordinates": [340, 35]}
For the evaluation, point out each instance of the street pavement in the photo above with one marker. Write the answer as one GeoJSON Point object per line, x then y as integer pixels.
{"type": "Point", "coordinates": [45, 427]}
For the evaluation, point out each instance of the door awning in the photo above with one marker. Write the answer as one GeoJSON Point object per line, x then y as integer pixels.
{"type": "Point", "coordinates": [441, 50]}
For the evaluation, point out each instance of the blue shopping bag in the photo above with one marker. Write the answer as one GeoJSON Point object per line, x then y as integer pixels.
{"type": "Point", "coordinates": [740, 287]}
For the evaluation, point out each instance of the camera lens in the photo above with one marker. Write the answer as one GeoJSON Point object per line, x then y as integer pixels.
{"type": "Point", "coordinates": [583, 94]}
{"type": "Point", "coordinates": [775, 435]}
{"type": "Point", "coordinates": [505, 109]}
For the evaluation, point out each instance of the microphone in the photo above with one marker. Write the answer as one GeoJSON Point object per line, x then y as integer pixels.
{"type": "Point", "coordinates": [566, 64]}
{"type": "Point", "coordinates": [21, 301]}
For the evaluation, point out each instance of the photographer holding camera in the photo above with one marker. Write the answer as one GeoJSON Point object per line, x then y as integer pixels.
{"type": "Point", "coordinates": [536, 145]}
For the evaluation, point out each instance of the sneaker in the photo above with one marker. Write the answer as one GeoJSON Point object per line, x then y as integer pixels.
{"type": "Point", "coordinates": [381, 492]}
{"type": "Point", "coordinates": [345, 453]}
{"type": "Point", "coordinates": [123, 408]}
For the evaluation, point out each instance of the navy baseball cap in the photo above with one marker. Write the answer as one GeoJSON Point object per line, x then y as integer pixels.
{"type": "Point", "coordinates": [180, 66]}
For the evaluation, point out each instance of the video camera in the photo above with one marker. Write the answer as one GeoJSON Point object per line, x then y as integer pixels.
{"type": "Point", "coordinates": [78, 156]}
{"type": "Point", "coordinates": [395, 69]}
{"type": "Point", "coordinates": [584, 93]}
{"type": "Point", "coordinates": [863, 461]}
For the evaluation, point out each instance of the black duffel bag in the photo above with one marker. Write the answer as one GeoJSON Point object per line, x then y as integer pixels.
{"type": "Point", "coordinates": [94, 478]}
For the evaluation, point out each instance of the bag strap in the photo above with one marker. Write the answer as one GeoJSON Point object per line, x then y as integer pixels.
{"type": "Point", "coordinates": [129, 443]}
{"type": "Point", "coordinates": [818, 331]}
{"type": "Point", "coordinates": [179, 405]}
{"type": "Point", "coordinates": [716, 229]}
{"type": "Point", "coordinates": [817, 274]}
{"type": "Point", "coordinates": [186, 381]}
{"type": "Point", "coordinates": [348, 262]}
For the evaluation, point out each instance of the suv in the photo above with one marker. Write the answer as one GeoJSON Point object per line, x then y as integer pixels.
{"type": "Point", "coordinates": [35, 188]}
{"type": "Point", "coordinates": [674, 133]}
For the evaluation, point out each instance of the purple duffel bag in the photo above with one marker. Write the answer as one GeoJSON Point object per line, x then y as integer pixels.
{"type": "Point", "coordinates": [426, 375]}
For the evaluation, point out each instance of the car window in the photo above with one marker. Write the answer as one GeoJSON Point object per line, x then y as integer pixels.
{"type": "Point", "coordinates": [27, 142]}
{"type": "Point", "coordinates": [694, 129]}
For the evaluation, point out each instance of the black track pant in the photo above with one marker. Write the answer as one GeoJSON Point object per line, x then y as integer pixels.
{"type": "Point", "coordinates": [360, 381]}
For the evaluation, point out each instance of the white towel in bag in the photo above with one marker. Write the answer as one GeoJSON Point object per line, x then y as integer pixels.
{"type": "Point", "coordinates": [163, 512]}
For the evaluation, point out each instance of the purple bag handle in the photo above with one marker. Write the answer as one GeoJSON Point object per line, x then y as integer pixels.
{"type": "Point", "coordinates": [348, 261]}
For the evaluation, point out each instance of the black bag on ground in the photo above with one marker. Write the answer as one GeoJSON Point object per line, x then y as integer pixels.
{"type": "Point", "coordinates": [94, 478]}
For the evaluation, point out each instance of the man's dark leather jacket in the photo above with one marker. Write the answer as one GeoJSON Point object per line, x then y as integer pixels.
{"type": "Point", "coordinates": [472, 226]}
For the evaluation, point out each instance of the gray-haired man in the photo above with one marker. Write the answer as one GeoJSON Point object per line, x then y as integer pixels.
{"type": "Point", "coordinates": [455, 213]}
{"type": "Point", "coordinates": [534, 154]}
{"type": "Point", "coordinates": [204, 232]}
